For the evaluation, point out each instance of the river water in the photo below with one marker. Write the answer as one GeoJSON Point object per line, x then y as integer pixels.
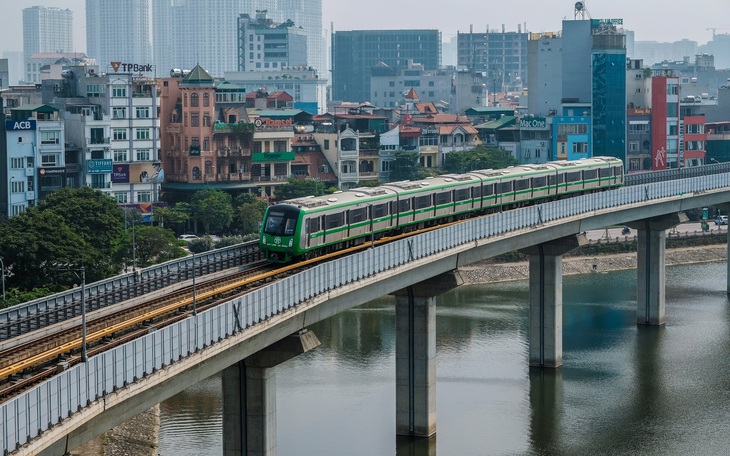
{"type": "Point", "coordinates": [623, 389]}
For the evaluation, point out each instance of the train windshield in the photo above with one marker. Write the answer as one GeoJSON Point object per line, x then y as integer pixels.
{"type": "Point", "coordinates": [280, 224]}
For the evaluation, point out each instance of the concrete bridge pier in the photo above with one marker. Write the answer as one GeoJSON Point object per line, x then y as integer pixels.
{"type": "Point", "coordinates": [650, 265]}
{"type": "Point", "coordinates": [546, 300]}
{"type": "Point", "coordinates": [249, 397]}
{"type": "Point", "coordinates": [415, 346]}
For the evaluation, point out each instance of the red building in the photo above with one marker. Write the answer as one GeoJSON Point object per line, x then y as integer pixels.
{"type": "Point", "coordinates": [694, 140]}
{"type": "Point", "coordinates": [665, 122]}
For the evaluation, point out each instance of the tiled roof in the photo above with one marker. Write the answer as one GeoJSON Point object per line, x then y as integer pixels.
{"type": "Point", "coordinates": [198, 76]}
{"type": "Point", "coordinates": [412, 95]}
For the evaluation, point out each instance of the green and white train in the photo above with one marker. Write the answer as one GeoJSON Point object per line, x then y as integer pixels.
{"type": "Point", "coordinates": [306, 227]}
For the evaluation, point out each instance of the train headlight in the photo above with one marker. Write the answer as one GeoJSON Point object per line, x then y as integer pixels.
{"type": "Point", "coordinates": [291, 242]}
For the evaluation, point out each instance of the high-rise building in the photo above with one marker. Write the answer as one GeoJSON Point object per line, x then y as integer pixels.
{"type": "Point", "coordinates": [215, 23]}
{"type": "Point", "coordinates": [118, 31]}
{"type": "Point", "coordinates": [501, 55]}
{"type": "Point", "coordinates": [46, 30]}
{"type": "Point", "coordinates": [263, 44]}
{"type": "Point", "coordinates": [355, 53]}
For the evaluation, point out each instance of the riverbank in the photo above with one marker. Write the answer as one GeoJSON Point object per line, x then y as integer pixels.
{"type": "Point", "coordinates": [136, 437]}
{"type": "Point", "coordinates": [491, 271]}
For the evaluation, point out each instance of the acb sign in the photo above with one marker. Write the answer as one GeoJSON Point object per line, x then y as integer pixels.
{"type": "Point", "coordinates": [20, 125]}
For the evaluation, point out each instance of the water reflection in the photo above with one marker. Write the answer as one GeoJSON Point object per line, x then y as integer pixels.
{"type": "Point", "coordinates": [623, 389]}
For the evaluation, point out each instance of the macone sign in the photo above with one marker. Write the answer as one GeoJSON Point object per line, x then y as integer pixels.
{"type": "Point", "coordinates": [533, 122]}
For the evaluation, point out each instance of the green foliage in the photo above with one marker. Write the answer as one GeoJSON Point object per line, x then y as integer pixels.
{"type": "Point", "coordinates": [15, 296]}
{"type": "Point", "coordinates": [460, 162]}
{"type": "Point", "coordinates": [213, 208]}
{"type": "Point", "coordinates": [175, 217]}
{"type": "Point", "coordinates": [38, 247]}
{"type": "Point", "coordinates": [201, 245]}
{"type": "Point", "coordinates": [152, 245]}
{"type": "Point", "coordinates": [248, 212]}
{"type": "Point", "coordinates": [405, 167]}
{"type": "Point", "coordinates": [295, 188]}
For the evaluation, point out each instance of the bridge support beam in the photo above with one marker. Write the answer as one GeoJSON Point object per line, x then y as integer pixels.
{"type": "Point", "coordinates": [546, 300]}
{"type": "Point", "coordinates": [415, 346]}
{"type": "Point", "coordinates": [249, 397]}
{"type": "Point", "coordinates": [650, 265]}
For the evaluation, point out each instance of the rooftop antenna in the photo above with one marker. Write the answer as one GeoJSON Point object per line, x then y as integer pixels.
{"type": "Point", "coordinates": [581, 11]}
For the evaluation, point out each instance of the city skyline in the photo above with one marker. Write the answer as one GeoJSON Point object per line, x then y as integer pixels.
{"type": "Point", "coordinates": [691, 20]}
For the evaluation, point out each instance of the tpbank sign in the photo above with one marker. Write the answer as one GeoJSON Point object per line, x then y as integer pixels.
{"type": "Point", "coordinates": [20, 125]}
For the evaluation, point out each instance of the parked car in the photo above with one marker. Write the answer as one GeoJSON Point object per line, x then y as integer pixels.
{"type": "Point", "coordinates": [721, 220]}
{"type": "Point", "coordinates": [188, 237]}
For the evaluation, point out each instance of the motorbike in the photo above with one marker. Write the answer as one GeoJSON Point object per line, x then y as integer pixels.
{"type": "Point", "coordinates": [626, 231]}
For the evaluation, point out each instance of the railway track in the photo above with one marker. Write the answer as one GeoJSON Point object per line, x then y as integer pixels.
{"type": "Point", "coordinates": [24, 364]}
{"type": "Point", "coordinates": [50, 351]}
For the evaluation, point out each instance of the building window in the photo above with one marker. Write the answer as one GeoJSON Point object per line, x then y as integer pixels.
{"type": "Point", "coordinates": [257, 147]}
{"type": "Point", "coordinates": [94, 90]}
{"type": "Point", "coordinates": [142, 154]}
{"type": "Point", "coordinates": [195, 141]}
{"type": "Point", "coordinates": [144, 197]}
{"type": "Point", "coordinates": [280, 146]}
{"type": "Point", "coordinates": [16, 163]}
{"type": "Point", "coordinates": [185, 100]}
{"type": "Point", "coordinates": [580, 148]}
{"type": "Point", "coordinates": [142, 133]}
{"type": "Point", "coordinates": [50, 137]}
{"type": "Point", "coordinates": [143, 112]}
{"type": "Point", "coordinates": [633, 146]}
{"type": "Point", "coordinates": [194, 100]}
{"type": "Point", "coordinates": [119, 134]}
{"type": "Point", "coordinates": [49, 160]}
{"type": "Point", "coordinates": [120, 155]}
{"type": "Point", "coordinates": [31, 184]}
{"type": "Point", "coordinates": [206, 120]}
{"type": "Point", "coordinates": [196, 173]}
{"type": "Point", "coordinates": [119, 113]}
{"type": "Point", "coordinates": [121, 197]}
{"type": "Point", "coordinates": [206, 100]}
{"type": "Point", "coordinates": [206, 143]}
{"type": "Point", "coordinates": [17, 186]}
{"type": "Point", "coordinates": [195, 119]}
{"type": "Point", "coordinates": [119, 91]}
{"type": "Point", "coordinates": [327, 144]}
{"type": "Point", "coordinates": [97, 154]}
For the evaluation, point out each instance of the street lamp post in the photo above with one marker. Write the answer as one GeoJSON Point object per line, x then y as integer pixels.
{"type": "Point", "coordinates": [195, 307]}
{"type": "Point", "coordinates": [2, 271]}
{"type": "Point", "coordinates": [714, 161]}
{"type": "Point", "coordinates": [84, 358]}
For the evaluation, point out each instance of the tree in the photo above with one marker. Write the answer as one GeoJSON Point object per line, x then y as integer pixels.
{"type": "Point", "coordinates": [213, 208]}
{"type": "Point", "coordinates": [405, 167]}
{"type": "Point", "coordinates": [248, 213]}
{"type": "Point", "coordinates": [481, 157]}
{"type": "Point", "coordinates": [39, 249]}
{"type": "Point", "coordinates": [152, 245]}
{"type": "Point", "coordinates": [295, 188]}
{"type": "Point", "coordinates": [93, 216]}
{"type": "Point", "coordinates": [175, 217]}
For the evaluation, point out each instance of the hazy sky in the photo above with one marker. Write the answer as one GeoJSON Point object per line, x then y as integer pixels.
{"type": "Point", "coordinates": [658, 20]}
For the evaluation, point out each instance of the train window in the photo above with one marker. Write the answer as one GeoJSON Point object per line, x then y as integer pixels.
{"type": "Point", "coordinates": [522, 184]}
{"type": "Point", "coordinates": [313, 225]}
{"type": "Point", "coordinates": [334, 220]}
{"type": "Point", "coordinates": [443, 198]}
{"type": "Point", "coordinates": [539, 182]}
{"type": "Point", "coordinates": [590, 174]}
{"type": "Point", "coordinates": [572, 177]}
{"type": "Point", "coordinates": [380, 210]}
{"type": "Point", "coordinates": [421, 202]}
{"type": "Point", "coordinates": [358, 215]}
{"type": "Point", "coordinates": [461, 194]}
{"type": "Point", "coordinates": [506, 187]}
{"type": "Point", "coordinates": [552, 179]}
{"type": "Point", "coordinates": [404, 205]}
{"type": "Point", "coordinates": [488, 190]}
{"type": "Point", "coordinates": [278, 224]}
{"type": "Point", "coordinates": [618, 171]}
{"type": "Point", "coordinates": [476, 192]}
{"type": "Point", "coordinates": [605, 172]}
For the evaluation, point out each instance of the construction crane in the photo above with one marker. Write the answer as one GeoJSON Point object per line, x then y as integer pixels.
{"type": "Point", "coordinates": [714, 30]}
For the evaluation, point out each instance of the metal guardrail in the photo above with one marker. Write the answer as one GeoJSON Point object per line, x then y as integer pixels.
{"type": "Point", "coordinates": [25, 417]}
{"type": "Point", "coordinates": [673, 174]}
{"type": "Point", "coordinates": [61, 306]}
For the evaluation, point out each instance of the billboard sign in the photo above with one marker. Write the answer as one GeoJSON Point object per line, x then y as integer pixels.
{"type": "Point", "coordinates": [20, 125]}
{"type": "Point", "coordinates": [99, 166]}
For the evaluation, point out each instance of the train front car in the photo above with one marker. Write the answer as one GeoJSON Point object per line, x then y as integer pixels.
{"type": "Point", "coordinates": [278, 238]}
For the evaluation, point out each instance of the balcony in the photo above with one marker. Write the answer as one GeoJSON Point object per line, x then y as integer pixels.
{"type": "Point", "coordinates": [234, 152]}
{"type": "Point", "coordinates": [101, 185]}
{"type": "Point", "coordinates": [98, 140]}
